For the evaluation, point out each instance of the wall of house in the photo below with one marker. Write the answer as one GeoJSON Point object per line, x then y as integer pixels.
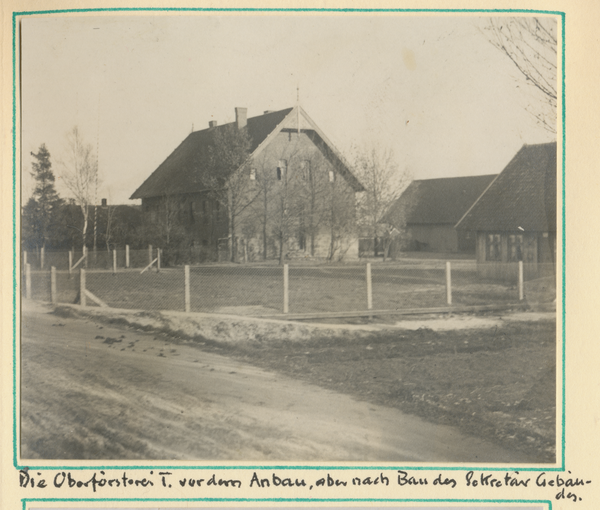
{"type": "Point", "coordinates": [195, 220]}
{"type": "Point", "coordinates": [538, 254]}
{"type": "Point", "coordinates": [304, 198]}
{"type": "Point", "coordinates": [306, 208]}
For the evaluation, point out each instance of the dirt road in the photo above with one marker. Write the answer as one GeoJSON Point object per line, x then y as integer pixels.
{"type": "Point", "coordinates": [93, 392]}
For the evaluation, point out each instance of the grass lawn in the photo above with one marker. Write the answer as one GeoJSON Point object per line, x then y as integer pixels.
{"type": "Point", "coordinates": [260, 288]}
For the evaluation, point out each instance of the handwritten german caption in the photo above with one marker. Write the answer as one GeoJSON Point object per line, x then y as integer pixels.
{"type": "Point", "coordinates": [564, 485]}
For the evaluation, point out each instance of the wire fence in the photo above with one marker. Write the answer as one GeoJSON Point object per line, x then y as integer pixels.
{"type": "Point", "coordinates": [264, 290]}
{"type": "Point", "coordinates": [122, 258]}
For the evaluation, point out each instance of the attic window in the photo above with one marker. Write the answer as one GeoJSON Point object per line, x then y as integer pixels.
{"type": "Point", "coordinates": [331, 176]}
{"type": "Point", "coordinates": [281, 168]}
{"type": "Point", "coordinates": [253, 174]}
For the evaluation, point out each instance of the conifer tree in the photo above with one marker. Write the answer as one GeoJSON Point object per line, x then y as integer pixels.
{"type": "Point", "coordinates": [40, 213]}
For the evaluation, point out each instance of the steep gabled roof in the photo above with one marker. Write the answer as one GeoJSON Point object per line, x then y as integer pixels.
{"type": "Point", "coordinates": [522, 197]}
{"type": "Point", "coordinates": [179, 172]}
{"type": "Point", "coordinates": [182, 172]}
{"type": "Point", "coordinates": [437, 201]}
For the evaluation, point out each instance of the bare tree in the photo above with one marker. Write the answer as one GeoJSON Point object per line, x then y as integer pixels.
{"type": "Point", "coordinates": [384, 181]}
{"type": "Point", "coordinates": [276, 206]}
{"type": "Point", "coordinates": [80, 174]}
{"type": "Point", "coordinates": [108, 235]}
{"type": "Point", "coordinates": [297, 197]}
{"type": "Point", "coordinates": [396, 217]}
{"type": "Point", "coordinates": [169, 225]}
{"type": "Point", "coordinates": [531, 45]}
{"type": "Point", "coordinates": [285, 212]}
{"type": "Point", "coordinates": [263, 178]}
{"type": "Point", "coordinates": [229, 178]}
{"type": "Point", "coordinates": [339, 214]}
{"type": "Point", "coordinates": [315, 193]}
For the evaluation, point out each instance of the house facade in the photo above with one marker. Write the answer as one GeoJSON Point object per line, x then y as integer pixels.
{"type": "Point", "coordinates": [291, 195]}
{"type": "Point", "coordinates": [515, 219]}
{"type": "Point", "coordinates": [427, 212]}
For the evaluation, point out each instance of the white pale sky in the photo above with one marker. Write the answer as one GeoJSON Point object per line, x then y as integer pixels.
{"type": "Point", "coordinates": [431, 88]}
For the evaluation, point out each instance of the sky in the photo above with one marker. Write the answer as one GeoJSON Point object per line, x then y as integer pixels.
{"type": "Point", "coordinates": [431, 88]}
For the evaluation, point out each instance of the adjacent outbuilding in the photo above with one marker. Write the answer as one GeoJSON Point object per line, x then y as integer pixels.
{"type": "Point", "coordinates": [515, 219]}
{"type": "Point", "coordinates": [428, 210]}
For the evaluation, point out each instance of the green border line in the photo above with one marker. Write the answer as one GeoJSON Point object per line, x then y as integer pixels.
{"type": "Point", "coordinates": [281, 9]}
{"type": "Point", "coordinates": [292, 500]}
{"type": "Point", "coordinates": [14, 220]}
{"type": "Point", "coordinates": [282, 467]}
{"type": "Point", "coordinates": [564, 245]}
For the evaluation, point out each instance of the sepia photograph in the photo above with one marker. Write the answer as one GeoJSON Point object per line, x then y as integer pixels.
{"type": "Point", "coordinates": [293, 238]}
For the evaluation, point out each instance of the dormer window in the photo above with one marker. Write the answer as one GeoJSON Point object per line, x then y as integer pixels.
{"type": "Point", "coordinates": [253, 174]}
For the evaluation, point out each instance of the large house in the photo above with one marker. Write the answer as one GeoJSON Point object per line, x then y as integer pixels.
{"type": "Point", "coordinates": [428, 209]}
{"type": "Point", "coordinates": [515, 219]}
{"type": "Point", "coordinates": [270, 186]}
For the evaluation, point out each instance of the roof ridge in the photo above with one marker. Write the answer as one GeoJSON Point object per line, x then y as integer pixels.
{"type": "Point", "coordinates": [453, 177]}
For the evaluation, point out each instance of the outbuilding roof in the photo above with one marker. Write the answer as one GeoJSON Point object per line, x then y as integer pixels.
{"type": "Point", "coordinates": [437, 201]}
{"type": "Point", "coordinates": [522, 197]}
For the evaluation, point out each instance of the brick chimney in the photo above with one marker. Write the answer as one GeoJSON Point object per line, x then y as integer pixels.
{"type": "Point", "coordinates": [212, 123]}
{"type": "Point", "coordinates": [241, 117]}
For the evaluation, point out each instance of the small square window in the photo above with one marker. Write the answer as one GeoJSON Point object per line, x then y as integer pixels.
{"type": "Point", "coordinates": [253, 174]}
{"type": "Point", "coordinates": [331, 176]}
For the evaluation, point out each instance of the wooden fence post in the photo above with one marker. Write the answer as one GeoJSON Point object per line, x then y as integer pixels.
{"type": "Point", "coordinates": [369, 288]}
{"type": "Point", "coordinates": [186, 287]}
{"type": "Point", "coordinates": [114, 261]}
{"type": "Point", "coordinates": [150, 254]}
{"type": "Point", "coordinates": [448, 283]}
{"type": "Point", "coordinates": [70, 262]}
{"type": "Point", "coordinates": [127, 256]}
{"type": "Point", "coordinates": [158, 250]}
{"type": "Point", "coordinates": [28, 281]}
{"type": "Point", "coordinates": [85, 250]}
{"type": "Point", "coordinates": [42, 257]}
{"type": "Point", "coordinates": [286, 289]}
{"type": "Point", "coordinates": [82, 296]}
{"type": "Point", "coordinates": [521, 294]}
{"type": "Point", "coordinates": [53, 285]}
